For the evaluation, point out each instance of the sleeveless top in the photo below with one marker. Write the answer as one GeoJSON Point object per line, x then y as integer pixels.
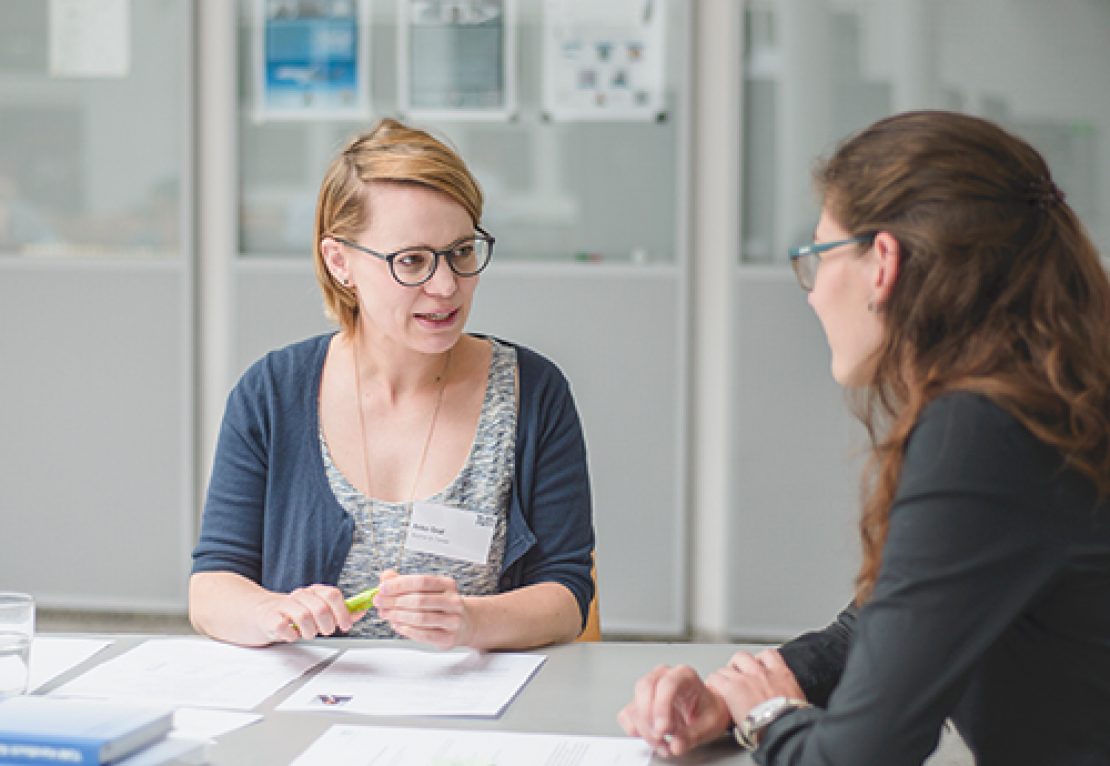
{"type": "Point", "coordinates": [483, 485]}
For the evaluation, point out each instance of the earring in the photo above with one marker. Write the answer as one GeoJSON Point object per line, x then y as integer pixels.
{"type": "Point", "coordinates": [871, 306]}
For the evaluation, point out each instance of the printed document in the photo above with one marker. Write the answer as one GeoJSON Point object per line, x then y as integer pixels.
{"type": "Point", "coordinates": [51, 657]}
{"type": "Point", "coordinates": [412, 682]}
{"type": "Point", "coordinates": [387, 746]}
{"type": "Point", "coordinates": [197, 672]}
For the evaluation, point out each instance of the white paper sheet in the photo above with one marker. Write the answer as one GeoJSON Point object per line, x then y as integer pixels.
{"type": "Point", "coordinates": [50, 657]}
{"type": "Point", "coordinates": [382, 746]}
{"type": "Point", "coordinates": [413, 682]}
{"type": "Point", "coordinates": [197, 672]}
{"type": "Point", "coordinates": [201, 723]}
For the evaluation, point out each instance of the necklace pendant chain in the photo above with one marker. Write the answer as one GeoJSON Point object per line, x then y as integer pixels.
{"type": "Point", "coordinates": [442, 381]}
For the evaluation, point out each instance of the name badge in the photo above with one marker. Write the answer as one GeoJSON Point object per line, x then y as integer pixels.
{"type": "Point", "coordinates": [450, 532]}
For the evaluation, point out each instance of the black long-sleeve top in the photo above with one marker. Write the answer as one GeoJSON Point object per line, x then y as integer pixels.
{"type": "Point", "coordinates": [992, 607]}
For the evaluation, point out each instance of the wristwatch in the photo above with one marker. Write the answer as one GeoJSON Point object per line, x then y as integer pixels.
{"type": "Point", "coordinates": [763, 715]}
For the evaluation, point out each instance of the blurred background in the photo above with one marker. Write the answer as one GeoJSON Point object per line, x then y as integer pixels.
{"type": "Point", "coordinates": [646, 166]}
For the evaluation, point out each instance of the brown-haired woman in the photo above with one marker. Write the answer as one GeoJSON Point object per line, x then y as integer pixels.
{"type": "Point", "coordinates": [961, 296]}
{"type": "Point", "coordinates": [448, 469]}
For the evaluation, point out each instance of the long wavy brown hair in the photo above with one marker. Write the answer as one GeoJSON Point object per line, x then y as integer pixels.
{"type": "Point", "coordinates": [1000, 292]}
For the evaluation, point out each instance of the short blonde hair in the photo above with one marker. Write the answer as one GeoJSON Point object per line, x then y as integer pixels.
{"type": "Point", "coordinates": [391, 151]}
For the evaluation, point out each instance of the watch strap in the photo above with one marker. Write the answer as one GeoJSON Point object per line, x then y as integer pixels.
{"type": "Point", "coordinates": [749, 730]}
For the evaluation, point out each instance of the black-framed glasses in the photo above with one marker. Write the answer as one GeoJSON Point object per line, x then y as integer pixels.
{"type": "Point", "coordinates": [807, 258]}
{"type": "Point", "coordinates": [413, 266]}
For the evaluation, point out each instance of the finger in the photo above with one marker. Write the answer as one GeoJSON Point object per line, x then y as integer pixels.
{"type": "Point", "coordinates": [403, 584]}
{"type": "Point", "coordinates": [641, 709]}
{"type": "Point", "coordinates": [312, 614]}
{"type": "Point", "coordinates": [284, 630]}
{"type": "Point", "coordinates": [438, 638]}
{"type": "Point", "coordinates": [724, 680]}
{"type": "Point", "coordinates": [626, 719]}
{"type": "Point", "coordinates": [675, 700]}
{"type": "Point", "coordinates": [428, 603]}
{"type": "Point", "coordinates": [423, 619]}
{"type": "Point", "coordinates": [785, 680]}
{"type": "Point", "coordinates": [299, 622]}
{"type": "Point", "coordinates": [337, 611]}
{"type": "Point", "coordinates": [771, 659]}
{"type": "Point", "coordinates": [745, 663]}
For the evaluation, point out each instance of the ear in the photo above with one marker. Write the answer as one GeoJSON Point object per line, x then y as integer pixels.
{"type": "Point", "coordinates": [888, 260]}
{"type": "Point", "coordinates": [335, 258]}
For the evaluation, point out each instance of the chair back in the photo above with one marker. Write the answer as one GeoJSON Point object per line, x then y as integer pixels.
{"type": "Point", "coordinates": [592, 631]}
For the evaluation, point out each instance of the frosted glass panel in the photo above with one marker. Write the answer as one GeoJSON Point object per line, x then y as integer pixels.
{"type": "Point", "coordinates": [817, 70]}
{"type": "Point", "coordinates": [554, 191]}
{"type": "Point", "coordinates": [90, 162]}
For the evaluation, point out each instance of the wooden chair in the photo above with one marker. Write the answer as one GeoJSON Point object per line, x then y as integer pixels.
{"type": "Point", "coordinates": [592, 631]}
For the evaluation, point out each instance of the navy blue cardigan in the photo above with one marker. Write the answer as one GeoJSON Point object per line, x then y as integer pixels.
{"type": "Point", "coordinates": [271, 517]}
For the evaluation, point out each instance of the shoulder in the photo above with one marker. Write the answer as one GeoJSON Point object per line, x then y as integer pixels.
{"type": "Point", "coordinates": [966, 438]}
{"type": "Point", "coordinates": [537, 372]}
{"type": "Point", "coordinates": [294, 361]}
{"type": "Point", "coordinates": [961, 416]}
{"type": "Point", "coordinates": [285, 379]}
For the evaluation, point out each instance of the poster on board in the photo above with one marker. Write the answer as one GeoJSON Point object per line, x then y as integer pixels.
{"type": "Point", "coordinates": [456, 59]}
{"type": "Point", "coordinates": [604, 61]}
{"type": "Point", "coordinates": [89, 39]}
{"type": "Point", "coordinates": [311, 59]}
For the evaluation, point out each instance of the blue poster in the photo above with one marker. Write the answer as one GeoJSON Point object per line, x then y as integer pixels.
{"type": "Point", "coordinates": [313, 59]}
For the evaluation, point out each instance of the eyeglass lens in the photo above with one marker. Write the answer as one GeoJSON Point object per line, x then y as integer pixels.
{"type": "Point", "coordinates": [805, 269]}
{"type": "Point", "coordinates": [465, 259]}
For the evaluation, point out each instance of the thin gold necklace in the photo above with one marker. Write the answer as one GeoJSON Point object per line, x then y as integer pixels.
{"type": "Point", "coordinates": [442, 380]}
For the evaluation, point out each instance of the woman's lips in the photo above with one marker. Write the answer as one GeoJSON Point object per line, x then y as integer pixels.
{"type": "Point", "coordinates": [437, 318]}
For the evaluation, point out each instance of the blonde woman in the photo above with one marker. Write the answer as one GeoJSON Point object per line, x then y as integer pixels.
{"type": "Point", "coordinates": [399, 451]}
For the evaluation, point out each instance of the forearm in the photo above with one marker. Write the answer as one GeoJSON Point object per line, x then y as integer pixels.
{"type": "Point", "coordinates": [817, 659]}
{"type": "Point", "coordinates": [220, 605]}
{"type": "Point", "coordinates": [528, 617]}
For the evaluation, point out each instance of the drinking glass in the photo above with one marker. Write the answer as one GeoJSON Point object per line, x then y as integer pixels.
{"type": "Point", "coordinates": [17, 628]}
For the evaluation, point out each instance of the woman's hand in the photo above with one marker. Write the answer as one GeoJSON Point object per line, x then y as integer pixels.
{"type": "Point", "coordinates": [316, 610]}
{"type": "Point", "coordinates": [425, 608]}
{"type": "Point", "coordinates": [674, 711]}
{"type": "Point", "coordinates": [746, 681]}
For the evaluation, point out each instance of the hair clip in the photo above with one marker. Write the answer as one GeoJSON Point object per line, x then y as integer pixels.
{"type": "Point", "coordinates": [1044, 193]}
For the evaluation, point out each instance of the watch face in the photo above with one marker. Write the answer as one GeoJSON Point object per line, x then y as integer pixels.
{"type": "Point", "coordinates": [768, 709]}
{"type": "Point", "coordinates": [763, 715]}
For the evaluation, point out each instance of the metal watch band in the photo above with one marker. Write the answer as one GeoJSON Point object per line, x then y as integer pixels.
{"type": "Point", "coordinates": [749, 730]}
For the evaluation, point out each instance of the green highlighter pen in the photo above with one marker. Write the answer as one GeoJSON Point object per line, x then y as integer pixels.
{"type": "Point", "coordinates": [360, 601]}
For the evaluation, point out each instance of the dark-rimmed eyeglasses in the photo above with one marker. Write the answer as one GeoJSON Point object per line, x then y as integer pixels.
{"type": "Point", "coordinates": [807, 258]}
{"type": "Point", "coordinates": [413, 266]}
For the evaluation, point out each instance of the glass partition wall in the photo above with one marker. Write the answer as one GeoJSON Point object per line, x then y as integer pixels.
{"type": "Point", "coordinates": [817, 70]}
{"type": "Point", "coordinates": [814, 71]}
{"type": "Point", "coordinates": [557, 190]}
{"type": "Point", "coordinates": [96, 302]}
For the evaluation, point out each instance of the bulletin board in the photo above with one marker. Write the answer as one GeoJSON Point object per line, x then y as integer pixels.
{"type": "Point", "coordinates": [603, 61]}
{"type": "Point", "coordinates": [456, 59]}
{"type": "Point", "coordinates": [311, 60]}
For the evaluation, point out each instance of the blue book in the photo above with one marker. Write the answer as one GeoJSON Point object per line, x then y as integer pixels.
{"type": "Point", "coordinates": [78, 732]}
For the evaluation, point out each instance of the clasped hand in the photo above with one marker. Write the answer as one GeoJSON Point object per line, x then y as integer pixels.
{"type": "Point", "coordinates": [674, 710]}
{"type": "Point", "coordinates": [425, 608]}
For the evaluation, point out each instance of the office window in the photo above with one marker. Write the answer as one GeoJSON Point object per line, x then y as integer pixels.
{"type": "Point", "coordinates": [817, 70]}
{"type": "Point", "coordinates": [605, 190]}
{"type": "Point", "coordinates": [80, 175]}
